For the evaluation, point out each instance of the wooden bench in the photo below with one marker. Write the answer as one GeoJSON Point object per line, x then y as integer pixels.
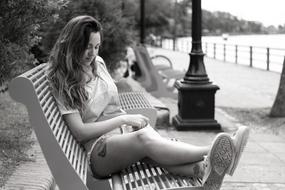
{"type": "Point", "coordinates": [156, 79]}
{"type": "Point", "coordinates": [161, 62]}
{"type": "Point", "coordinates": [66, 158]}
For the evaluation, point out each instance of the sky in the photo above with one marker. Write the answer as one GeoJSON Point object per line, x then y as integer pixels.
{"type": "Point", "coordinates": [268, 12]}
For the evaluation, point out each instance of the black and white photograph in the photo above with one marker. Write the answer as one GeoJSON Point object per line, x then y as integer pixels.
{"type": "Point", "coordinates": [142, 95]}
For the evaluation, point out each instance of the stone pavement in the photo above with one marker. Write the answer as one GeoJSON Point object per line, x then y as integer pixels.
{"type": "Point", "coordinates": [262, 166]}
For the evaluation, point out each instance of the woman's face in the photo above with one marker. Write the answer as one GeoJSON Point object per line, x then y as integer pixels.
{"type": "Point", "coordinates": [92, 49]}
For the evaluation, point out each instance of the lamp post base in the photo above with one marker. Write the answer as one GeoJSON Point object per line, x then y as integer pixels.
{"type": "Point", "coordinates": [196, 106]}
{"type": "Point", "coordinates": [195, 124]}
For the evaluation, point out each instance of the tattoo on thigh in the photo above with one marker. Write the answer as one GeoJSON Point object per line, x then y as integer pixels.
{"type": "Point", "coordinates": [196, 170]}
{"type": "Point", "coordinates": [101, 147]}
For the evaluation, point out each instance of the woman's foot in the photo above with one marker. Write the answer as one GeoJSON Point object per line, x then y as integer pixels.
{"type": "Point", "coordinates": [218, 161]}
{"type": "Point", "coordinates": [239, 139]}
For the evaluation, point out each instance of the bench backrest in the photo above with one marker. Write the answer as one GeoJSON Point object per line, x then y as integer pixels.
{"type": "Point", "coordinates": [153, 81]}
{"type": "Point", "coordinates": [66, 158]}
{"type": "Point", "coordinates": [149, 78]}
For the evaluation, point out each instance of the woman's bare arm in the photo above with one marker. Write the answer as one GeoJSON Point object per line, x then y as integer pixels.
{"type": "Point", "coordinates": [86, 131]}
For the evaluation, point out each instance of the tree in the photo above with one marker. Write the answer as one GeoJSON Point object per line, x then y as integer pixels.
{"type": "Point", "coordinates": [19, 25]}
{"type": "Point", "coordinates": [278, 108]}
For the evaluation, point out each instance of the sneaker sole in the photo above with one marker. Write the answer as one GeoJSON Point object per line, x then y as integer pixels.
{"type": "Point", "coordinates": [221, 157]}
{"type": "Point", "coordinates": [241, 146]}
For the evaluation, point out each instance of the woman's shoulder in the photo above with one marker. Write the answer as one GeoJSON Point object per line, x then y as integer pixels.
{"type": "Point", "coordinates": [100, 60]}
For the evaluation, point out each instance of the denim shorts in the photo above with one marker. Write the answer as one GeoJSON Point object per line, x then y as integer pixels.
{"type": "Point", "coordinates": [92, 165]}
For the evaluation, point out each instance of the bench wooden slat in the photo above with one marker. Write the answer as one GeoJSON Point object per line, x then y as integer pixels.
{"type": "Point", "coordinates": [143, 178]}
{"type": "Point", "coordinates": [66, 140]}
{"type": "Point", "coordinates": [133, 177]}
{"type": "Point", "coordinates": [153, 176]}
{"type": "Point", "coordinates": [43, 92]}
{"type": "Point", "coordinates": [44, 99]}
{"type": "Point", "coordinates": [34, 74]}
{"type": "Point", "coordinates": [58, 127]}
{"type": "Point", "coordinates": [143, 174]}
{"type": "Point", "coordinates": [80, 160]}
{"type": "Point", "coordinates": [71, 152]}
{"type": "Point", "coordinates": [40, 82]}
{"type": "Point", "coordinates": [53, 112]}
{"type": "Point", "coordinates": [68, 144]}
{"type": "Point", "coordinates": [55, 118]}
{"type": "Point", "coordinates": [63, 137]}
{"type": "Point", "coordinates": [166, 180]}
{"type": "Point", "coordinates": [46, 105]}
{"type": "Point", "coordinates": [75, 158]}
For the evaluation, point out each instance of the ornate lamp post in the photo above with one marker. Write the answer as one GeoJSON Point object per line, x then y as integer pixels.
{"type": "Point", "coordinates": [196, 94]}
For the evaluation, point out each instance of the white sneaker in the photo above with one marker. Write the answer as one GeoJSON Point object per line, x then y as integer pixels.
{"type": "Point", "coordinates": [239, 139]}
{"type": "Point", "coordinates": [218, 161]}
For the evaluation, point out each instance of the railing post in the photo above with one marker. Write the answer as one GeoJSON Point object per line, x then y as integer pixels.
{"type": "Point", "coordinates": [224, 52]}
{"type": "Point", "coordinates": [236, 54]}
{"type": "Point", "coordinates": [250, 56]}
{"type": "Point", "coordinates": [174, 44]}
{"type": "Point", "coordinates": [214, 50]}
{"type": "Point", "coordinates": [267, 59]}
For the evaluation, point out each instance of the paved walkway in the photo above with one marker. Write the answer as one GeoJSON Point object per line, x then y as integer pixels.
{"type": "Point", "coordinates": [240, 86]}
{"type": "Point", "coordinates": [262, 166]}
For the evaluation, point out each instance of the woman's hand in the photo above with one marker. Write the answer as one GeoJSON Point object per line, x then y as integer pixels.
{"type": "Point", "coordinates": [137, 121]}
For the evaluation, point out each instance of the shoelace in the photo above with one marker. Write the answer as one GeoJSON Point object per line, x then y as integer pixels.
{"type": "Point", "coordinates": [204, 167]}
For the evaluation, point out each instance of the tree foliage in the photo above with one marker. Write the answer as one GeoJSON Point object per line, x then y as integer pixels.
{"type": "Point", "coordinates": [19, 25]}
{"type": "Point", "coordinates": [117, 34]}
{"type": "Point", "coordinates": [222, 22]}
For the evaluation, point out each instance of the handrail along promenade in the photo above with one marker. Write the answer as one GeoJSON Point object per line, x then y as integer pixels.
{"type": "Point", "coordinates": [266, 58]}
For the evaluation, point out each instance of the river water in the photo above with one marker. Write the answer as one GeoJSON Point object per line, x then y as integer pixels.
{"type": "Point", "coordinates": [271, 40]}
{"type": "Point", "coordinates": [260, 45]}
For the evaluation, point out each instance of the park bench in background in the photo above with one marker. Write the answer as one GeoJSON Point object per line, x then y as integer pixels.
{"type": "Point", "coordinates": [155, 79]}
{"type": "Point", "coordinates": [161, 62]}
{"type": "Point", "coordinates": [66, 158]}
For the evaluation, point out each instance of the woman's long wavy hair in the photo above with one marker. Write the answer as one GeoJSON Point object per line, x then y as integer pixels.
{"type": "Point", "coordinates": [66, 72]}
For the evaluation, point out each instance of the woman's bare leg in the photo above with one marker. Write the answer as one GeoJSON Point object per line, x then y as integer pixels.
{"type": "Point", "coordinates": [117, 152]}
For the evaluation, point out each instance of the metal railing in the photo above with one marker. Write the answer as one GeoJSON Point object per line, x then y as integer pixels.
{"type": "Point", "coordinates": [265, 58]}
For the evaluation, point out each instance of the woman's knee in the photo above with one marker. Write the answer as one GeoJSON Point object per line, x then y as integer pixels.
{"type": "Point", "coordinates": [148, 136]}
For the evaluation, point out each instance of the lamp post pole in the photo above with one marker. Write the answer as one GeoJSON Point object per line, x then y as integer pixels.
{"type": "Point", "coordinates": [196, 94]}
{"type": "Point", "coordinates": [142, 24]}
{"type": "Point", "coordinates": [175, 25]}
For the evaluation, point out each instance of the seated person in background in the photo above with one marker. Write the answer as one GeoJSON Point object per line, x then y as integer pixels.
{"type": "Point", "coordinates": [88, 100]}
